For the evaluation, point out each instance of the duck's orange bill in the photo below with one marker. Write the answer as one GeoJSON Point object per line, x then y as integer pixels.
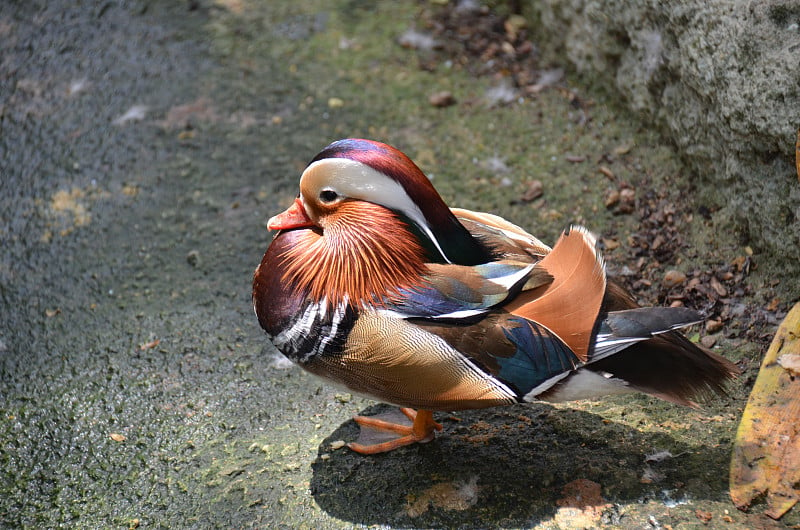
{"type": "Point", "coordinates": [294, 217]}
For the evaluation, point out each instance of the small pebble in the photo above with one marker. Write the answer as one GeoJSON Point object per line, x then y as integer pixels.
{"type": "Point", "coordinates": [708, 341]}
{"type": "Point", "coordinates": [338, 444]}
{"type": "Point", "coordinates": [193, 258]}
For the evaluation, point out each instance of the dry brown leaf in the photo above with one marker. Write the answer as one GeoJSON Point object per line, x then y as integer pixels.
{"type": "Point", "coordinates": [150, 345]}
{"type": "Point", "coordinates": [605, 170]}
{"type": "Point", "coordinates": [610, 243]}
{"type": "Point", "coordinates": [534, 191]}
{"type": "Point", "coordinates": [704, 516]}
{"type": "Point", "coordinates": [623, 149]}
{"type": "Point", "coordinates": [718, 287]}
{"type": "Point", "coordinates": [612, 198]}
{"type": "Point", "coordinates": [442, 99]}
{"type": "Point", "coordinates": [773, 304]}
{"type": "Point", "coordinates": [673, 278]}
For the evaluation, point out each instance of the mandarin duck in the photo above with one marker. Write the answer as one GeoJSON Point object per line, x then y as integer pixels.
{"type": "Point", "coordinates": [374, 283]}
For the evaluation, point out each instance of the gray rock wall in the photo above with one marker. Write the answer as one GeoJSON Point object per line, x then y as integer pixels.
{"type": "Point", "coordinates": [719, 78]}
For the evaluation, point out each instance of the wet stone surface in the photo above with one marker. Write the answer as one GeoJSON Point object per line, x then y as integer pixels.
{"type": "Point", "coordinates": [143, 146]}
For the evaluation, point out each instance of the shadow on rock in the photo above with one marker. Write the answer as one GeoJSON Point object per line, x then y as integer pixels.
{"type": "Point", "coordinates": [509, 467]}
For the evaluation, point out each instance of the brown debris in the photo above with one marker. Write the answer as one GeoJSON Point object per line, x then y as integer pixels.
{"type": "Point", "coordinates": [704, 516]}
{"type": "Point", "coordinates": [534, 191]}
{"type": "Point", "coordinates": [622, 200]}
{"type": "Point", "coordinates": [483, 42]}
{"type": "Point", "coordinates": [797, 154]}
{"type": "Point", "coordinates": [673, 278]}
{"type": "Point", "coordinates": [605, 170]}
{"type": "Point", "coordinates": [718, 287]}
{"type": "Point", "coordinates": [442, 99]}
{"type": "Point", "coordinates": [623, 149]}
{"type": "Point", "coordinates": [708, 341]}
{"type": "Point", "coordinates": [646, 258]}
{"type": "Point", "coordinates": [451, 496]}
{"type": "Point", "coordinates": [149, 345]}
{"type": "Point", "coordinates": [581, 506]}
{"type": "Point", "coordinates": [513, 25]}
{"type": "Point", "coordinates": [187, 115]}
{"type": "Point", "coordinates": [610, 243]}
{"type": "Point", "coordinates": [627, 201]}
{"type": "Point", "coordinates": [612, 198]}
{"type": "Point", "coordinates": [712, 326]}
{"type": "Point", "coordinates": [473, 38]}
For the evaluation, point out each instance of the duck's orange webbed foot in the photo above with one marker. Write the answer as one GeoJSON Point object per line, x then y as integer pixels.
{"type": "Point", "coordinates": [379, 435]}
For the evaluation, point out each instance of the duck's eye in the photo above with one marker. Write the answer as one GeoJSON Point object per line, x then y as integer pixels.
{"type": "Point", "coordinates": [328, 196]}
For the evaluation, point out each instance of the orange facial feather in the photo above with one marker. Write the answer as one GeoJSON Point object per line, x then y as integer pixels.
{"type": "Point", "coordinates": [363, 254]}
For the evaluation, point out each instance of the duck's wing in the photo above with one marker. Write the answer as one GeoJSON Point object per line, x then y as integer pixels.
{"type": "Point", "coordinates": [457, 292]}
{"type": "Point", "coordinates": [499, 359]}
{"type": "Point", "coordinates": [505, 238]}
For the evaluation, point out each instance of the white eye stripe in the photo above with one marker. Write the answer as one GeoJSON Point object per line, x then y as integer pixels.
{"type": "Point", "coordinates": [359, 181]}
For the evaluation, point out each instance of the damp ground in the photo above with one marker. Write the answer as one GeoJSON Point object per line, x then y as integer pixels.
{"type": "Point", "coordinates": [143, 146]}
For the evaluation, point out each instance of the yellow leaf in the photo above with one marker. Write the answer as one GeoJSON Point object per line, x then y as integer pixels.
{"type": "Point", "coordinates": [766, 453]}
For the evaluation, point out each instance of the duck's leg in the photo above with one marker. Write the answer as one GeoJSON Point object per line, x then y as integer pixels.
{"type": "Point", "coordinates": [421, 430]}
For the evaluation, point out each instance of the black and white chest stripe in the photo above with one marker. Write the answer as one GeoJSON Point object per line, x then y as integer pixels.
{"type": "Point", "coordinates": [317, 330]}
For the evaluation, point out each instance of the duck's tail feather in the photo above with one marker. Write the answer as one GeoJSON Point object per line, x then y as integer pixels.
{"type": "Point", "coordinates": [671, 367]}
{"type": "Point", "coordinates": [638, 349]}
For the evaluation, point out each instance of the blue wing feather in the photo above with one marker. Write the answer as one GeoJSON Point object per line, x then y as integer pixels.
{"type": "Point", "coordinates": [460, 292]}
{"type": "Point", "coordinates": [540, 356]}
{"type": "Point", "coordinates": [460, 305]}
